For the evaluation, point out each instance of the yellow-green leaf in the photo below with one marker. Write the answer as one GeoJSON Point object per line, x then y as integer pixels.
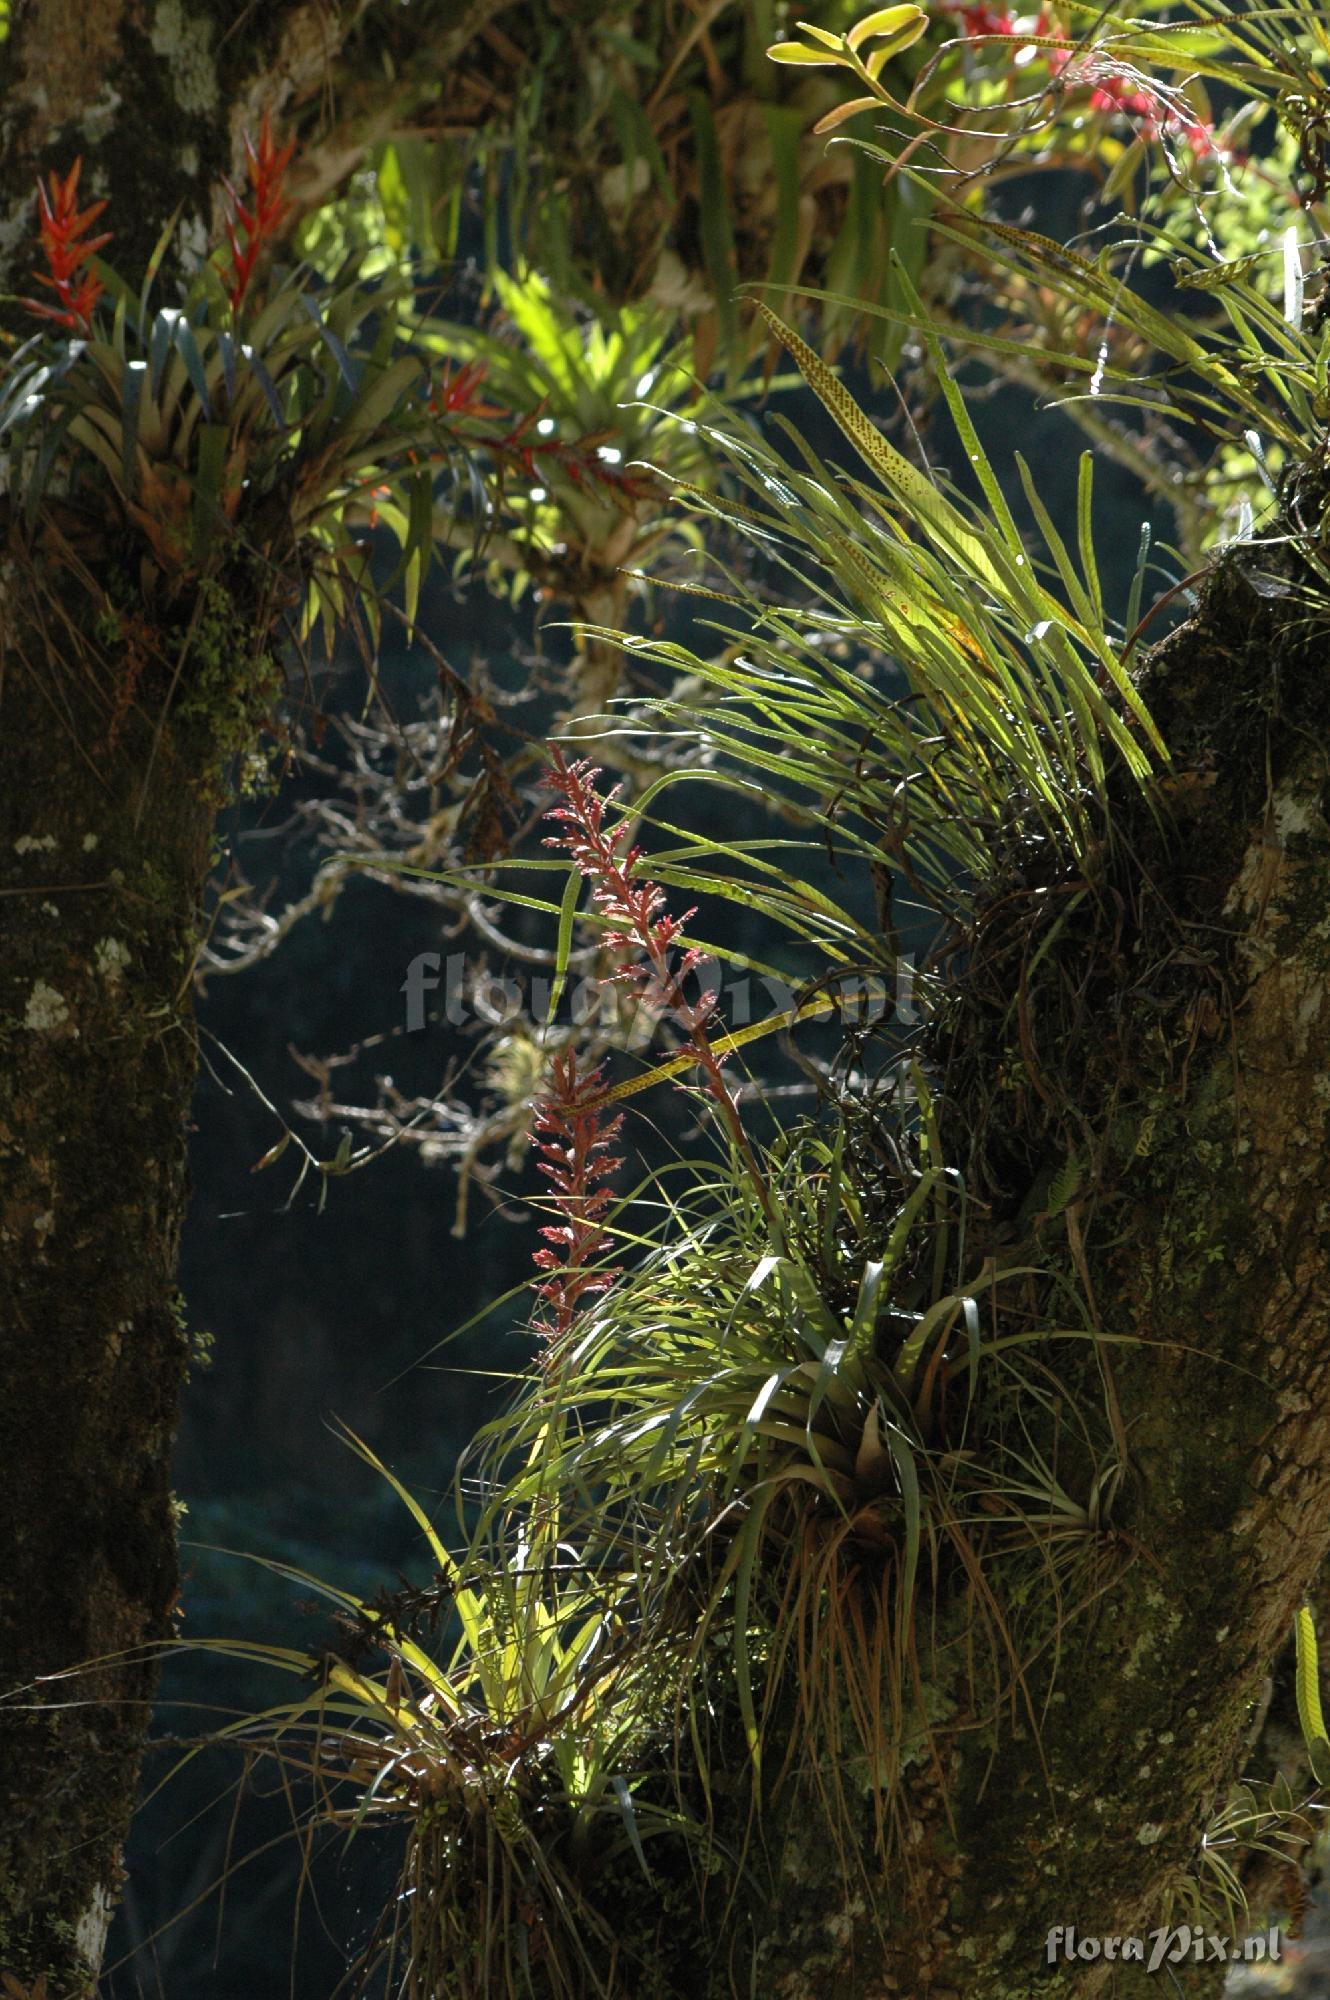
{"type": "Point", "coordinates": [844, 111]}
{"type": "Point", "coordinates": [896, 22]}
{"type": "Point", "coordinates": [823, 35]}
{"type": "Point", "coordinates": [1307, 1689]}
{"type": "Point", "coordinates": [909, 486]}
{"type": "Point", "coordinates": [799, 52]}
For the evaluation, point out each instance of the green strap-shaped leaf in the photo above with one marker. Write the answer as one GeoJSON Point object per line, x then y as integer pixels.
{"type": "Point", "coordinates": [567, 917]}
{"type": "Point", "coordinates": [909, 485]}
{"type": "Point", "coordinates": [187, 347]}
{"type": "Point", "coordinates": [345, 366]}
{"type": "Point", "coordinates": [1309, 1696]}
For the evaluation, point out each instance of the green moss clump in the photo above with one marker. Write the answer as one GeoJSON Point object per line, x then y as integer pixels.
{"type": "Point", "coordinates": [232, 688]}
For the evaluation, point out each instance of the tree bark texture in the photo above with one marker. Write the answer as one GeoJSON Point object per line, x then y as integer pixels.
{"type": "Point", "coordinates": [101, 871]}
{"type": "Point", "coordinates": [116, 720]}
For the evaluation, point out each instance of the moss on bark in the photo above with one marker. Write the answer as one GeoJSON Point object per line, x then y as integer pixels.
{"type": "Point", "coordinates": [115, 745]}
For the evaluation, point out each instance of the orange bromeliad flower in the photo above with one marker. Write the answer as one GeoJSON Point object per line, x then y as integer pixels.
{"type": "Point", "coordinates": [61, 225]}
{"type": "Point", "coordinates": [258, 222]}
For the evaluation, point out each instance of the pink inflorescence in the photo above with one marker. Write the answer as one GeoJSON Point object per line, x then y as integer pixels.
{"type": "Point", "coordinates": [573, 1138]}
{"type": "Point", "coordinates": [648, 958]}
{"type": "Point", "coordinates": [632, 905]}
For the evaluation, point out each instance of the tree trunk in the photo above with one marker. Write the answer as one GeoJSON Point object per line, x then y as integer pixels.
{"type": "Point", "coordinates": [1191, 1078]}
{"type": "Point", "coordinates": [101, 871]}
{"type": "Point", "coordinates": [109, 784]}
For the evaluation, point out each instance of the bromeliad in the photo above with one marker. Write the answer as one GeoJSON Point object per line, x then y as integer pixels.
{"type": "Point", "coordinates": [62, 224]}
{"type": "Point", "coordinates": [258, 222]}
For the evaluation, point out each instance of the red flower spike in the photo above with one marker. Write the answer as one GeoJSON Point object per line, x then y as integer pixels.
{"type": "Point", "coordinates": [573, 1138]}
{"type": "Point", "coordinates": [61, 225]}
{"type": "Point", "coordinates": [250, 228]}
{"type": "Point", "coordinates": [651, 963]}
{"type": "Point", "coordinates": [635, 907]}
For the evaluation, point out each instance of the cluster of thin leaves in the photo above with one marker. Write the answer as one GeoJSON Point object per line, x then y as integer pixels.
{"type": "Point", "coordinates": [580, 505]}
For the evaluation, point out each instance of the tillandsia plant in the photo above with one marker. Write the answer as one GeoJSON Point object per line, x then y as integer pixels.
{"type": "Point", "coordinates": [489, 1719]}
{"type": "Point", "coordinates": [645, 965]}
{"type": "Point", "coordinates": [767, 1412]}
{"type": "Point", "coordinates": [1007, 707]}
{"type": "Point", "coordinates": [255, 418]}
{"type": "Point", "coordinates": [580, 512]}
{"type": "Point", "coordinates": [586, 400]}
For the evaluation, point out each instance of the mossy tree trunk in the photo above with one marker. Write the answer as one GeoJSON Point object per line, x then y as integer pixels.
{"type": "Point", "coordinates": [109, 783]}
{"type": "Point", "coordinates": [101, 868]}
{"type": "Point", "coordinates": [1191, 1079]}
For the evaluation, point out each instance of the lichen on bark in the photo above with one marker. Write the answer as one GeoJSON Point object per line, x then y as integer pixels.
{"type": "Point", "coordinates": [123, 723]}
{"type": "Point", "coordinates": [110, 776]}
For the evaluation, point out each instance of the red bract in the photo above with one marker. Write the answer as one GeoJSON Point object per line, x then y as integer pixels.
{"type": "Point", "coordinates": [61, 226]}
{"type": "Point", "coordinates": [456, 394]}
{"type": "Point", "coordinates": [651, 963]}
{"type": "Point", "coordinates": [258, 222]}
{"type": "Point", "coordinates": [515, 444]}
{"type": "Point", "coordinates": [573, 1138]}
{"type": "Point", "coordinates": [634, 906]}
